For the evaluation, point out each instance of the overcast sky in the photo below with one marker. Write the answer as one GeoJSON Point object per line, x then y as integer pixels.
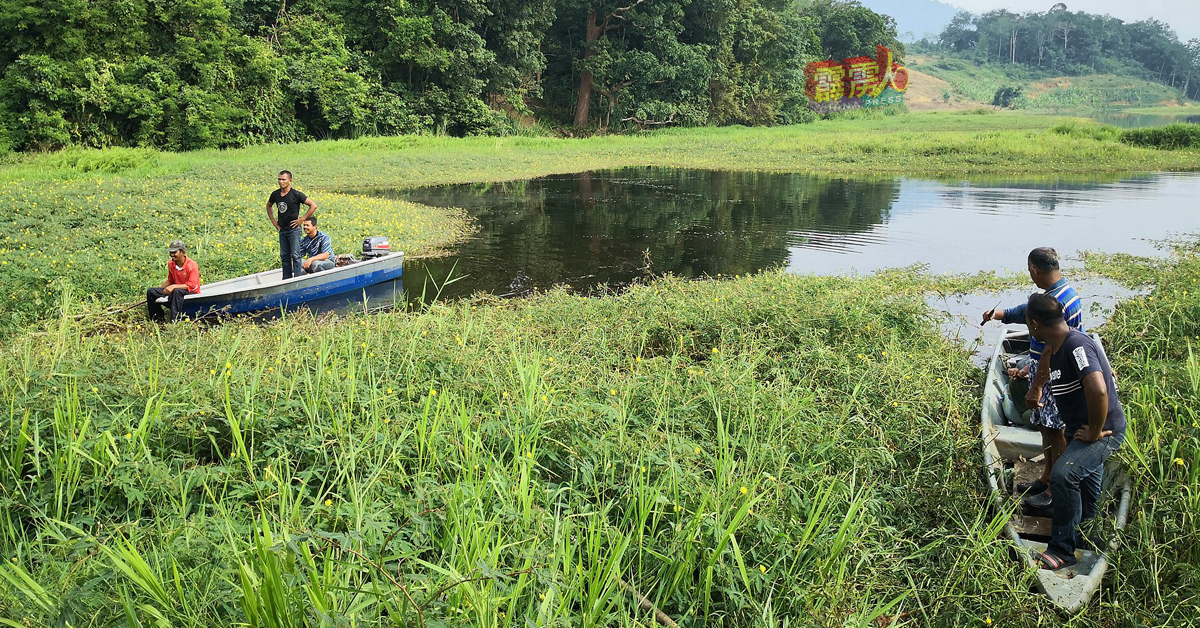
{"type": "Point", "coordinates": [1182, 15]}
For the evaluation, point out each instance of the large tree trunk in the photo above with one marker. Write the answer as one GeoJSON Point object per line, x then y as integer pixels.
{"type": "Point", "coordinates": [584, 98]}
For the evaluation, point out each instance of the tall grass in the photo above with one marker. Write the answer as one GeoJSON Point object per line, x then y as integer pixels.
{"type": "Point", "coordinates": [1155, 346]}
{"type": "Point", "coordinates": [773, 450]}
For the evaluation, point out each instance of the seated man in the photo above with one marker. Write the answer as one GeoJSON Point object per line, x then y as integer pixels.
{"type": "Point", "coordinates": [183, 278]}
{"type": "Point", "coordinates": [317, 248]}
{"type": "Point", "coordinates": [1082, 384]}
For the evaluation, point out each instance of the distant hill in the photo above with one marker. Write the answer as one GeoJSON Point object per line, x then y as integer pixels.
{"type": "Point", "coordinates": [915, 18]}
{"type": "Point", "coordinates": [977, 83]}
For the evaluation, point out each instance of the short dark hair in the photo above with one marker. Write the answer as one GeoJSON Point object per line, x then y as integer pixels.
{"type": "Point", "coordinates": [287, 172]}
{"type": "Point", "coordinates": [1044, 258]}
{"type": "Point", "coordinates": [312, 219]}
{"type": "Point", "coordinates": [1044, 308]}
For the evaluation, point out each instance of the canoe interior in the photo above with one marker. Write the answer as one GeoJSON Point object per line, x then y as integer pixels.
{"type": "Point", "coordinates": [1012, 452]}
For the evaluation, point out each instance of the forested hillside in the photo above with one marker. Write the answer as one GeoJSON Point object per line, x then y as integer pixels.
{"type": "Point", "coordinates": [1073, 43]}
{"type": "Point", "coordinates": [186, 74]}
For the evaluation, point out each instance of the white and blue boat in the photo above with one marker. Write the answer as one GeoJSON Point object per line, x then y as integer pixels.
{"type": "Point", "coordinates": [269, 290]}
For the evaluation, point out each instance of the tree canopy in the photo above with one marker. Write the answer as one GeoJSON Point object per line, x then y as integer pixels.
{"type": "Point", "coordinates": [1076, 42]}
{"type": "Point", "coordinates": [185, 74]}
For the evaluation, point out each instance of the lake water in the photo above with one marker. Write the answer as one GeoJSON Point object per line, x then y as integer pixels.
{"type": "Point", "coordinates": [1128, 120]}
{"type": "Point", "coordinates": [610, 227]}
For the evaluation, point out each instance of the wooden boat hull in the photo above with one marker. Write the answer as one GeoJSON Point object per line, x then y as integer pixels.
{"type": "Point", "coordinates": [268, 290]}
{"type": "Point", "coordinates": [1006, 441]}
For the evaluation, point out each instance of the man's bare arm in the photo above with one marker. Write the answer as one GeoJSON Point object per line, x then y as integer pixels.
{"type": "Point", "coordinates": [1095, 391]}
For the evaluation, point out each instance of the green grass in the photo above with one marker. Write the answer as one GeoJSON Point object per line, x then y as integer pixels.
{"type": "Point", "coordinates": [740, 451]}
{"type": "Point", "coordinates": [97, 221]}
{"type": "Point", "coordinates": [769, 450]}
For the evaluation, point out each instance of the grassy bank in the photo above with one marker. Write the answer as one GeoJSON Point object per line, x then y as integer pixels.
{"type": "Point", "coordinates": [97, 220]}
{"type": "Point", "coordinates": [772, 450]}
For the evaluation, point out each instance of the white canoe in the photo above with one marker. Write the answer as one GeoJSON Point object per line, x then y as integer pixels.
{"type": "Point", "coordinates": [1007, 440]}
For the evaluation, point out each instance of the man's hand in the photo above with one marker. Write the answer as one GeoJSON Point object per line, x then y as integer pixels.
{"type": "Point", "coordinates": [169, 289]}
{"type": "Point", "coordinates": [1085, 434]}
{"type": "Point", "coordinates": [1033, 398]}
{"type": "Point", "coordinates": [994, 314]}
{"type": "Point", "coordinates": [307, 263]}
{"type": "Point", "coordinates": [297, 223]}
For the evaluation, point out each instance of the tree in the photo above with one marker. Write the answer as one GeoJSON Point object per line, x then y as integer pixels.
{"type": "Point", "coordinates": [960, 34]}
{"type": "Point", "coordinates": [848, 29]}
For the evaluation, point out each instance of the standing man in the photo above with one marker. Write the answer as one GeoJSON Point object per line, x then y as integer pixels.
{"type": "Point", "coordinates": [1082, 384]}
{"type": "Point", "coordinates": [317, 248]}
{"type": "Point", "coordinates": [1045, 272]}
{"type": "Point", "coordinates": [183, 278]}
{"type": "Point", "coordinates": [285, 202]}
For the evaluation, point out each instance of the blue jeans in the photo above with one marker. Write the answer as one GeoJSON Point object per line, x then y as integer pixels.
{"type": "Point", "coordinates": [1075, 482]}
{"type": "Point", "coordinates": [289, 252]}
{"type": "Point", "coordinates": [318, 266]}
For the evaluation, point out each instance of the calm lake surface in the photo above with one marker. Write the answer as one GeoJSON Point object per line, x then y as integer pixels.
{"type": "Point", "coordinates": [1139, 120]}
{"type": "Point", "coordinates": [606, 227]}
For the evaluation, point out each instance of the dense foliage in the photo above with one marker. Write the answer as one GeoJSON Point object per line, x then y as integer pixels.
{"type": "Point", "coordinates": [1075, 42]}
{"type": "Point", "coordinates": [185, 74]}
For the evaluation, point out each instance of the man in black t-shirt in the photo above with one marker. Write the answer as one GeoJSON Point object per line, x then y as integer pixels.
{"type": "Point", "coordinates": [286, 202]}
{"type": "Point", "coordinates": [1083, 387]}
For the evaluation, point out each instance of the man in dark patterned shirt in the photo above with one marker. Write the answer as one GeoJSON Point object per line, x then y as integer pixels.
{"type": "Point", "coordinates": [317, 248]}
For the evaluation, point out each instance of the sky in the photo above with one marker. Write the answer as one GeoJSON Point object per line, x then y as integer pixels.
{"type": "Point", "coordinates": [1182, 15]}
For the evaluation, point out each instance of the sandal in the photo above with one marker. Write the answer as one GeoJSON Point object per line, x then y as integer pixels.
{"type": "Point", "coordinates": [1032, 488]}
{"type": "Point", "coordinates": [1046, 560]}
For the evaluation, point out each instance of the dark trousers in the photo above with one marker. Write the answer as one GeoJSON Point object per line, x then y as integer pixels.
{"type": "Point", "coordinates": [289, 252]}
{"type": "Point", "coordinates": [174, 300]}
{"type": "Point", "coordinates": [1075, 482]}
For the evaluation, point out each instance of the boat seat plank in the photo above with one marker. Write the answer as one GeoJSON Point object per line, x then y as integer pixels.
{"type": "Point", "coordinates": [1017, 442]}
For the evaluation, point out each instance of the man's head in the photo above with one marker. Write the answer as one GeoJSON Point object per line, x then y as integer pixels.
{"type": "Point", "coordinates": [177, 251]}
{"type": "Point", "coordinates": [1044, 315]}
{"type": "Point", "coordinates": [285, 179]}
{"type": "Point", "coordinates": [1043, 267]}
{"type": "Point", "coordinates": [310, 226]}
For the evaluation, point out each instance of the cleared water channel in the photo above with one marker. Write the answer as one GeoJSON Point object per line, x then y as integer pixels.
{"type": "Point", "coordinates": [607, 228]}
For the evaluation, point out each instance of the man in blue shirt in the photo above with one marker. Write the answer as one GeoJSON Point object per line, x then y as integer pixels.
{"type": "Point", "coordinates": [1045, 272]}
{"type": "Point", "coordinates": [317, 248]}
{"type": "Point", "coordinates": [1081, 381]}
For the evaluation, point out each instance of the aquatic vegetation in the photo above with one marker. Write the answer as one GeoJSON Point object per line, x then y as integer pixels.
{"type": "Point", "coordinates": [715, 445]}
{"type": "Point", "coordinates": [96, 220]}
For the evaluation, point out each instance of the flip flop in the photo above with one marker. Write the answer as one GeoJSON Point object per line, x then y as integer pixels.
{"type": "Point", "coordinates": [1032, 488]}
{"type": "Point", "coordinates": [1046, 560]}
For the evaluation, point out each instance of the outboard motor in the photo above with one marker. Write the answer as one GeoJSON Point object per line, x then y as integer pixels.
{"type": "Point", "coordinates": [376, 246]}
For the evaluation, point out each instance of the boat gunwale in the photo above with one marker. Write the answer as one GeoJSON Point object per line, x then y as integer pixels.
{"type": "Point", "coordinates": [228, 289]}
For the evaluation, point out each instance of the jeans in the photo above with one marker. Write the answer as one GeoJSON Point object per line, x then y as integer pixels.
{"type": "Point", "coordinates": [174, 300]}
{"type": "Point", "coordinates": [289, 252]}
{"type": "Point", "coordinates": [1075, 482]}
{"type": "Point", "coordinates": [319, 266]}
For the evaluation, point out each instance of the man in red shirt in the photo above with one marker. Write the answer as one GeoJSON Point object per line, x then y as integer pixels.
{"type": "Point", "coordinates": [183, 278]}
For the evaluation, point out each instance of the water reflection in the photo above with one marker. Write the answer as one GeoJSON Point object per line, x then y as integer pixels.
{"type": "Point", "coordinates": [610, 227]}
